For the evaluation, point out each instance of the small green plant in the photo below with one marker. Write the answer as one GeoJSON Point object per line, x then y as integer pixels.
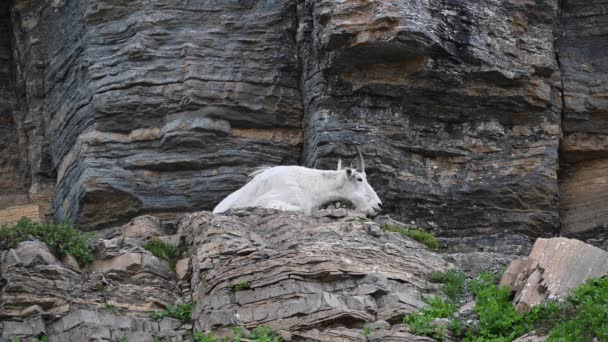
{"type": "Point", "coordinates": [419, 235]}
{"type": "Point", "coordinates": [453, 283]}
{"type": "Point", "coordinates": [366, 330]}
{"type": "Point", "coordinates": [260, 334]}
{"type": "Point", "coordinates": [181, 312]}
{"type": "Point", "coordinates": [437, 307]}
{"type": "Point", "coordinates": [122, 339]}
{"type": "Point", "coordinates": [41, 339]}
{"type": "Point", "coordinates": [62, 239]}
{"type": "Point", "coordinates": [242, 286]}
{"type": "Point", "coordinates": [263, 334]}
{"type": "Point", "coordinates": [455, 326]}
{"type": "Point", "coordinates": [15, 339]}
{"type": "Point", "coordinates": [111, 308]}
{"type": "Point", "coordinates": [200, 337]}
{"type": "Point", "coordinates": [163, 250]}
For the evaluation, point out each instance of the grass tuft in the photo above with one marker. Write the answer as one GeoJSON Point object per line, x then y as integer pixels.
{"type": "Point", "coordinates": [163, 250]}
{"type": "Point", "coordinates": [419, 235]}
{"type": "Point", "coordinates": [259, 334]}
{"type": "Point", "coordinates": [242, 286]}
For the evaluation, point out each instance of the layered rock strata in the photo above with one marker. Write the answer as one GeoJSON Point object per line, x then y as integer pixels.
{"type": "Point", "coordinates": [118, 109]}
{"type": "Point", "coordinates": [12, 183]}
{"type": "Point", "coordinates": [457, 105]}
{"type": "Point", "coordinates": [157, 106]}
{"type": "Point", "coordinates": [582, 51]}
{"type": "Point", "coordinates": [302, 274]}
{"type": "Point", "coordinates": [316, 278]}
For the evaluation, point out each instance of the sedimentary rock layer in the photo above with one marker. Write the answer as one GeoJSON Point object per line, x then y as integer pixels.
{"type": "Point", "coordinates": [303, 274]}
{"type": "Point", "coordinates": [12, 182]}
{"type": "Point", "coordinates": [582, 51]}
{"type": "Point", "coordinates": [309, 278]}
{"type": "Point", "coordinates": [158, 106]}
{"type": "Point", "coordinates": [457, 105]}
{"type": "Point", "coordinates": [165, 106]}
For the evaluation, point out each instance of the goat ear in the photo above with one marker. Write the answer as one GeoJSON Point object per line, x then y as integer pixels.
{"type": "Point", "coordinates": [349, 172]}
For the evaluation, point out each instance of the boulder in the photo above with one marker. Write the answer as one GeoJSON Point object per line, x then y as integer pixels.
{"type": "Point", "coordinates": [553, 268]}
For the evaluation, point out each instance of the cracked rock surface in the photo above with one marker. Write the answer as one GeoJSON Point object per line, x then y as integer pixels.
{"type": "Point", "coordinates": [317, 278]}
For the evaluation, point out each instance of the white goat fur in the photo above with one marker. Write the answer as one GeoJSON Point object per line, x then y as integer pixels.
{"type": "Point", "coordinates": [303, 189]}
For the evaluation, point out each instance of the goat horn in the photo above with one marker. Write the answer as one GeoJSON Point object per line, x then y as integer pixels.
{"type": "Point", "coordinates": [360, 161]}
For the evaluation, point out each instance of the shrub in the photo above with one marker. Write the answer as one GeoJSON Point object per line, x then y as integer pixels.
{"type": "Point", "coordinates": [588, 314]}
{"type": "Point", "coordinates": [419, 235]}
{"type": "Point", "coordinates": [498, 319]}
{"type": "Point", "coordinates": [583, 317]}
{"type": "Point", "coordinates": [163, 250]}
{"type": "Point", "coordinates": [62, 239]}
{"type": "Point", "coordinates": [181, 312]}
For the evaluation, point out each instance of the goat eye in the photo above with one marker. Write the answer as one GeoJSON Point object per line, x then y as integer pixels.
{"type": "Point", "coordinates": [360, 179]}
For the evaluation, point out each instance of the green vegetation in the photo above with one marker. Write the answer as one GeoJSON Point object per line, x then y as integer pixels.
{"type": "Point", "coordinates": [62, 239]}
{"type": "Point", "coordinates": [43, 338]}
{"type": "Point", "coordinates": [366, 330]}
{"type": "Point", "coordinates": [200, 337]}
{"type": "Point", "coordinates": [419, 235]}
{"type": "Point", "coordinates": [181, 312]}
{"type": "Point", "coordinates": [242, 286]}
{"type": "Point", "coordinates": [122, 339]}
{"type": "Point", "coordinates": [453, 283]}
{"type": "Point", "coordinates": [422, 322]}
{"type": "Point", "coordinates": [111, 308]}
{"type": "Point", "coordinates": [582, 317]}
{"type": "Point", "coordinates": [260, 334]}
{"type": "Point", "coordinates": [163, 250]}
{"type": "Point", "coordinates": [498, 319]}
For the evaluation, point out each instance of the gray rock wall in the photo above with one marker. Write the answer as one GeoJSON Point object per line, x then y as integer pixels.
{"type": "Point", "coordinates": [161, 107]}
{"type": "Point", "coordinates": [457, 103]}
{"type": "Point", "coordinates": [12, 182]}
{"type": "Point", "coordinates": [582, 50]}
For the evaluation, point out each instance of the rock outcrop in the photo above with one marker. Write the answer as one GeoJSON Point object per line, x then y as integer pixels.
{"type": "Point", "coordinates": [554, 267]}
{"type": "Point", "coordinates": [309, 278]}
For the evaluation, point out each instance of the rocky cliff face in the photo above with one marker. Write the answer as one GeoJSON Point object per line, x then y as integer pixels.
{"type": "Point", "coordinates": [161, 107]}
{"type": "Point", "coordinates": [584, 187]}
{"type": "Point", "coordinates": [12, 184]}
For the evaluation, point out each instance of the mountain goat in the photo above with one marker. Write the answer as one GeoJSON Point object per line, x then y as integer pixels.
{"type": "Point", "coordinates": [299, 188]}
